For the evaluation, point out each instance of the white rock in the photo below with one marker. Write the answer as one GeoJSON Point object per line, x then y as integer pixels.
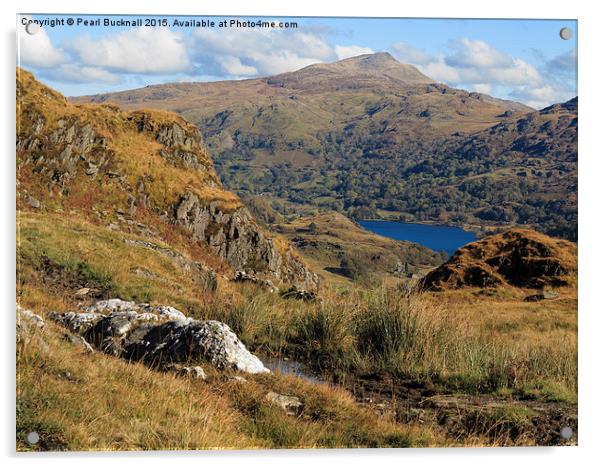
{"type": "Point", "coordinates": [181, 338]}
{"type": "Point", "coordinates": [114, 304]}
{"type": "Point", "coordinates": [34, 318]}
{"type": "Point", "coordinates": [223, 348]}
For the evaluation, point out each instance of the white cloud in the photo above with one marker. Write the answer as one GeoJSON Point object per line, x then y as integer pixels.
{"type": "Point", "coordinates": [240, 52]}
{"type": "Point", "coordinates": [483, 88]}
{"type": "Point", "coordinates": [36, 50]}
{"type": "Point", "coordinates": [474, 64]}
{"type": "Point", "coordinates": [140, 50]}
{"type": "Point", "coordinates": [477, 54]}
{"type": "Point", "coordinates": [256, 52]}
{"type": "Point", "coordinates": [233, 66]}
{"type": "Point", "coordinates": [76, 74]}
{"type": "Point", "coordinates": [348, 51]}
{"type": "Point", "coordinates": [542, 96]}
{"type": "Point", "coordinates": [405, 53]}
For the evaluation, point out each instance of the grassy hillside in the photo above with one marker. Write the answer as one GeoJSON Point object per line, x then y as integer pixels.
{"type": "Point", "coordinates": [116, 204]}
{"type": "Point", "coordinates": [143, 172]}
{"type": "Point", "coordinates": [340, 249]}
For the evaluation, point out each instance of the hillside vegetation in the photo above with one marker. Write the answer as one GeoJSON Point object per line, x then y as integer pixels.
{"type": "Point", "coordinates": [373, 138]}
{"type": "Point", "coordinates": [126, 204]}
{"type": "Point", "coordinates": [340, 249]}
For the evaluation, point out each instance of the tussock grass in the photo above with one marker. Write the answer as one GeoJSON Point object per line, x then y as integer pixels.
{"type": "Point", "coordinates": [470, 343]}
{"type": "Point", "coordinates": [405, 333]}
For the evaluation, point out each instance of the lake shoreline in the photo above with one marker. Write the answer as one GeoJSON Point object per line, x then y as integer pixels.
{"type": "Point", "coordinates": [437, 237]}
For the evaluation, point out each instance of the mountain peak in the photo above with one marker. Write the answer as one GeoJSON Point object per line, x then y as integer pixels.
{"type": "Point", "coordinates": [374, 69]}
{"type": "Point", "coordinates": [373, 59]}
{"type": "Point", "coordinates": [384, 64]}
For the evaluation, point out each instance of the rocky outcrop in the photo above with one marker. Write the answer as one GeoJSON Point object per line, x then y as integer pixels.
{"type": "Point", "coordinates": [518, 257]}
{"type": "Point", "coordinates": [159, 336]}
{"type": "Point", "coordinates": [123, 167]}
{"type": "Point", "coordinates": [61, 152]}
{"type": "Point", "coordinates": [182, 147]}
{"type": "Point", "coordinates": [236, 238]}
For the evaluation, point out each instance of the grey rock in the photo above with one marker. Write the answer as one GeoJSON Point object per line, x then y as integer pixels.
{"type": "Point", "coordinates": [237, 378]}
{"type": "Point", "coordinates": [77, 322]}
{"type": "Point", "coordinates": [549, 294]}
{"type": "Point", "coordinates": [35, 319]}
{"type": "Point", "coordinates": [302, 295]}
{"type": "Point", "coordinates": [33, 202]}
{"type": "Point", "coordinates": [28, 325]}
{"type": "Point", "coordinates": [289, 404]}
{"type": "Point", "coordinates": [242, 276]}
{"type": "Point", "coordinates": [159, 335]}
{"type": "Point", "coordinates": [195, 372]}
{"type": "Point", "coordinates": [235, 237]}
{"type": "Point", "coordinates": [546, 294]}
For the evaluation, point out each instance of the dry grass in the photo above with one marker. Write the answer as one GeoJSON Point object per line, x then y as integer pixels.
{"type": "Point", "coordinates": [80, 401]}
{"type": "Point", "coordinates": [468, 341]}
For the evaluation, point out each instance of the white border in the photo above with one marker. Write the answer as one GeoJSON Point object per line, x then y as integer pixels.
{"type": "Point", "coordinates": [590, 171]}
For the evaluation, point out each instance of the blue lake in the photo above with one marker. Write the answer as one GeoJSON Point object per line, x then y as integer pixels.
{"type": "Point", "coordinates": [435, 237]}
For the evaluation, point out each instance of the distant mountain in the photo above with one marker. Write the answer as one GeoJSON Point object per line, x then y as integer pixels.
{"type": "Point", "coordinates": [374, 138]}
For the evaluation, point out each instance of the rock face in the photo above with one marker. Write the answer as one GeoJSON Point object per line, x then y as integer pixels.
{"type": "Point", "coordinates": [236, 238]}
{"type": "Point", "coordinates": [159, 336]}
{"type": "Point", "coordinates": [518, 257]}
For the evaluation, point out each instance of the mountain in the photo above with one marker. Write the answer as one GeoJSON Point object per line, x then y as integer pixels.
{"type": "Point", "coordinates": [373, 138]}
{"type": "Point", "coordinates": [517, 257]}
{"type": "Point", "coordinates": [143, 177]}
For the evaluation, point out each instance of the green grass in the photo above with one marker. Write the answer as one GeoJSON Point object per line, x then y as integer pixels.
{"type": "Point", "coordinates": [503, 424]}
{"type": "Point", "coordinates": [398, 331]}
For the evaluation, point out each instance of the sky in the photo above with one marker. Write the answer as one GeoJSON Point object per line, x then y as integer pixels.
{"type": "Point", "coordinates": [521, 60]}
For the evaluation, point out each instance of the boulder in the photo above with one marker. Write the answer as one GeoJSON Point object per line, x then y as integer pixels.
{"type": "Point", "coordinates": [159, 336]}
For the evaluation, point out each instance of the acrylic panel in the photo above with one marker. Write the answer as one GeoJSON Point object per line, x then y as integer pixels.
{"type": "Point", "coordinates": [295, 232]}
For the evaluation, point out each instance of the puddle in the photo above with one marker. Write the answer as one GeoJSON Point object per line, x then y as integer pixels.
{"type": "Point", "coordinates": [290, 367]}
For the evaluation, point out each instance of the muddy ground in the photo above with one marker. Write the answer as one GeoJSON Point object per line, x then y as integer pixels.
{"type": "Point", "coordinates": [505, 420]}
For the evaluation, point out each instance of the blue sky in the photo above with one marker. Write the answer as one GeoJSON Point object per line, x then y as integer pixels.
{"type": "Point", "coordinates": [523, 60]}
